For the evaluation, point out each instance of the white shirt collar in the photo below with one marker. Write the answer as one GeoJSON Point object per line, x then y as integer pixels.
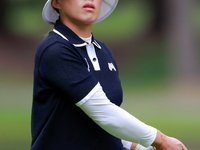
{"type": "Point", "coordinates": [88, 40]}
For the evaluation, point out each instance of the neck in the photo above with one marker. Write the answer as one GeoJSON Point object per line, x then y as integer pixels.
{"type": "Point", "coordinates": [82, 30]}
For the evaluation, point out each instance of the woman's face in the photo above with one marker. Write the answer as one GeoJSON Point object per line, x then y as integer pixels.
{"type": "Point", "coordinates": [78, 11]}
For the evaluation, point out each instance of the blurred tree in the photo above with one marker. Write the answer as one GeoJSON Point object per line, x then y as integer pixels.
{"type": "Point", "coordinates": [172, 23]}
{"type": "Point", "coordinates": [16, 50]}
{"type": "Point", "coordinates": [137, 44]}
{"type": "Point", "coordinates": [3, 7]}
{"type": "Point", "coordinates": [6, 5]}
{"type": "Point", "coordinates": [159, 17]}
{"type": "Point", "coordinates": [180, 39]}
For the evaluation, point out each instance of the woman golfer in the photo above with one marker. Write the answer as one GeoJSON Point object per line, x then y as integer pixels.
{"type": "Point", "coordinates": [77, 92]}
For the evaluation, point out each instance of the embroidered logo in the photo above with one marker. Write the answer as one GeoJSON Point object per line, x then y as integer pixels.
{"type": "Point", "coordinates": [111, 67]}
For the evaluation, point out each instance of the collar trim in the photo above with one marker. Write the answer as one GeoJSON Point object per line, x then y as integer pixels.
{"type": "Point", "coordinates": [77, 45]}
{"type": "Point", "coordinates": [80, 45]}
{"type": "Point", "coordinates": [57, 32]}
{"type": "Point", "coordinates": [96, 44]}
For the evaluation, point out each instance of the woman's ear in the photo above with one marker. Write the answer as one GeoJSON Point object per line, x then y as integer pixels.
{"type": "Point", "coordinates": [56, 4]}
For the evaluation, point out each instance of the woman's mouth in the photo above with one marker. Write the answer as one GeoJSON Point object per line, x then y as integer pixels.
{"type": "Point", "coordinates": [89, 7]}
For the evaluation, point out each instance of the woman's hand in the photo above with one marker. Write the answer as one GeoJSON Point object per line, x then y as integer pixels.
{"type": "Point", "coordinates": [163, 142]}
{"type": "Point", "coordinates": [170, 143]}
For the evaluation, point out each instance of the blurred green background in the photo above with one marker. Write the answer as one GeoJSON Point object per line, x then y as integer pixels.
{"type": "Point", "coordinates": [155, 44]}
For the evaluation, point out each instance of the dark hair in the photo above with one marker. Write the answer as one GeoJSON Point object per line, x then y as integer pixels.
{"type": "Point", "coordinates": [45, 35]}
{"type": "Point", "coordinates": [53, 26]}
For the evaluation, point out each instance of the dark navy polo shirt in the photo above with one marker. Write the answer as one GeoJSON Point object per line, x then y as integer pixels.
{"type": "Point", "coordinates": [63, 76]}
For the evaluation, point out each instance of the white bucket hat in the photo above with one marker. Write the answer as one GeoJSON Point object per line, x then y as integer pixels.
{"type": "Point", "coordinates": [50, 15]}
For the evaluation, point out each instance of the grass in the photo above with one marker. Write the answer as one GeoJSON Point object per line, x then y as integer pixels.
{"type": "Point", "coordinates": [174, 118]}
{"type": "Point", "coordinates": [166, 112]}
{"type": "Point", "coordinates": [15, 112]}
{"type": "Point", "coordinates": [15, 130]}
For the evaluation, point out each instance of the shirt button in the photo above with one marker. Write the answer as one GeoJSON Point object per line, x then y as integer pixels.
{"type": "Point", "coordinates": [94, 59]}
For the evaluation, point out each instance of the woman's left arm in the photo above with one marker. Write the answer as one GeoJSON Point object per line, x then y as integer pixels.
{"type": "Point", "coordinates": [135, 146]}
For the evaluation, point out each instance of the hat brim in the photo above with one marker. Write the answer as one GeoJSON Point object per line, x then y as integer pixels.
{"type": "Point", "coordinates": [50, 15]}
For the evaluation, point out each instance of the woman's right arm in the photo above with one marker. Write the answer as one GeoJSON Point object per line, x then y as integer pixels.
{"type": "Point", "coordinates": [123, 125]}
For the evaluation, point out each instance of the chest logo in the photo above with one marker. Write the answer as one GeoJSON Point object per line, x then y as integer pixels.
{"type": "Point", "coordinates": [111, 67]}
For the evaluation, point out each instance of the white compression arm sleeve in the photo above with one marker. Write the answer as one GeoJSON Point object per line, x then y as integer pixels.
{"type": "Point", "coordinates": [115, 120]}
{"type": "Point", "coordinates": [140, 147]}
{"type": "Point", "coordinates": [126, 145]}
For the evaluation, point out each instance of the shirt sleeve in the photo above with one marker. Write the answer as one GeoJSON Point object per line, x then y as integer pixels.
{"type": "Point", "coordinates": [63, 68]}
{"type": "Point", "coordinates": [115, 120]}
